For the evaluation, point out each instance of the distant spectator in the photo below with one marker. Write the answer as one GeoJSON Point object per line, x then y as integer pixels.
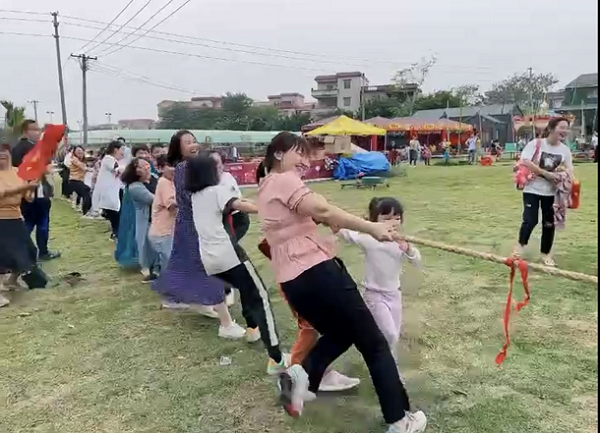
{"type": "Point", "coordinates": [472, 143]}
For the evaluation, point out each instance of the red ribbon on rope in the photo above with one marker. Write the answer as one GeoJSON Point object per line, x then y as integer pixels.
{"type": "Point", "coordinates": [523, 267]}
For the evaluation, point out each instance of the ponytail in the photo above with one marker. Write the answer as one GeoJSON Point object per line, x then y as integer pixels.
{"type": "Point", "coordinates": [261, 172]}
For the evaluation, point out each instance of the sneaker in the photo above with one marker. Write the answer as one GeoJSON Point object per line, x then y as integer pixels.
{"type": "Point", "coordinates": [3, 301]}
{"type": "Point", "coordinates": [293, 386]}
{"type": "Point", "coordinates": [149, 279]}
{"type": "Point", "coordinates": [206, 311]}
{"type": "Point", "coordinates": [167, 305]}
{"type": "Point", "coordinates": [412, 423]}
{"type": "Point", "coordinates": [277, 368]}
{"type": "Point", "coordinates": [253, 335]}
{"type": "Point", "coordinates": [49, 256]}
{"type": "Point", "coordinates": [337, 382]}
{"type": "Point", "coordinates": [230, 299]}
{"type": "Point", "coordinates": [232, 332]}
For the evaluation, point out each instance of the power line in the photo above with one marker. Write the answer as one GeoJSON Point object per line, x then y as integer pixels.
{"type": "Point", "coordinates": [8, 11]}
{"type": "Point", "coordinates": [122, 26]}
{"type": "Point", "coordinates": [115, 74]}
{"type": "Point", "coordinates": [108, 25]}
{"type": "Point", "coordinates": [106, 51]}
{"type": "Point", "coordinates": [133, 75]}
{"type": "Point", "coordinates": [29, 20]}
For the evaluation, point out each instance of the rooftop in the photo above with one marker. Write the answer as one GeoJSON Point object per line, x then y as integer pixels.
{"type": "Point", "coordinates": [585, 80]}
{"type": "Point", "coordinates": [466, 112]}
{"type": "Point", "coordinates": [335, 77]}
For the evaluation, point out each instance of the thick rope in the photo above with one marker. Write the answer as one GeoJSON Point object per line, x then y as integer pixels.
{"type": "Point", "coordinates": [575, 276]}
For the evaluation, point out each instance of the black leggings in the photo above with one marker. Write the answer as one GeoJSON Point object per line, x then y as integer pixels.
{"type": "Point", "coordinates": [414, 157]}
{"type": "Point", "coordinates": [114, 217]}
{"type": "Point", "coordinates": [65, 174]}
{"type": "Point", "coordinates": [84, 194]}
{"type": "Point", "coordinates": [328, 298]}
{"type": "Point", "coordinates": [532, 204]}
{"type": "Point", "coordinates": [256, 305]}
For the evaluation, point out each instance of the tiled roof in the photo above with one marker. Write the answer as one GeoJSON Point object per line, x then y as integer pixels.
{"type": "Point", "coordinates": [585, 80]}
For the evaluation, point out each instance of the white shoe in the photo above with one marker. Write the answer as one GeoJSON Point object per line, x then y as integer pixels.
{"type": "Point", "coordinates": [293, 386]}
{"type": "Point", "coordinates": [252, 335]}
{"type": "Point", "coordinates": [337, 382]}
{"type": "Point", "coordinates": [206, 311]}
{"type": "Point", "coordinates": [232, 332]}
{"type": "Point", "coordinates": [230, 299]}
{"type": "Point", "coordinates": [175, 306]}
{"type": "Point", "coordinates": [415, 422]}
{"type": "Point", "coordinates": [3, 301]}
{"type": "Point", "coordinates": [275, 369]}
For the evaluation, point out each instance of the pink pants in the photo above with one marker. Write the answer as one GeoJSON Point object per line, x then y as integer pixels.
{"type": "Point", "coordinates": [386, 308]}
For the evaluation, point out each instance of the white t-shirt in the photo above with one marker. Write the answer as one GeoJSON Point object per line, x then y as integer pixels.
{"type": "Point", "coordinates": [218, 250]}
{"type": "Point", "coordinates": [383, 260]}
{"type": "Point", "coordinates": [550, 158]}
{"type": "Point", "coordinates": [228, 181]}
{"type": "Point", "coordinates": [67, 160]}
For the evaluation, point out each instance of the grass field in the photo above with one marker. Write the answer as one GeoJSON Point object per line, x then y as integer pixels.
{"type": "Point", "coordinates": [103, 357]}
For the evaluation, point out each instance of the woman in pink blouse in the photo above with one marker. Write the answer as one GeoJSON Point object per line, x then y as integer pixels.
{"type": "Point", "coordinates": [164, 212]}
{"type": "Point", "coordinates": [318, 286]}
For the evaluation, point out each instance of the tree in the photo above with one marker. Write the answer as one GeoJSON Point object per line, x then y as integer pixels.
{"type": "Point", "coordinates": [386, 107]}
{"type": "Point", "coordinates": [520, 88]}
{"type": "Point", "coordinates": [13, 118]}
{"type": "Point", "coordinates": [236, 112]}
{"type": "Point", "coordinates": [294, 123]}
{"type": "Point", "coordinates": [263, 118]}
{"type": "Point", "coordinates": [416, 73]}
{"type": "Point", "coordinates": [437, 100]}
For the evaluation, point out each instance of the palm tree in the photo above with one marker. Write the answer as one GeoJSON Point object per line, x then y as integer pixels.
{"type": "Point", "coordinates": [14, 117]}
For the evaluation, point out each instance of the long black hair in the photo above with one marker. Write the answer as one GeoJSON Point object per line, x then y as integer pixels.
{"type": "Point", "coordinates": [201, 173]}
{"type": "Point", "coordinates": [130, 175]}
{"type": "Point", "coordinates": [174, 155]}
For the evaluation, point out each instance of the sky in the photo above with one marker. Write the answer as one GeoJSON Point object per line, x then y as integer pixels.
{"type": "Point", "coordinates": [474, 41]}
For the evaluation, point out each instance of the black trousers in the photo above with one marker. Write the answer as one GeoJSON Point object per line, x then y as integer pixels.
{"type": "Point", "coordinates": [256, 305]}
{"type": "Point", "coordinates": [66, 190]}
{"type": "Point", "coordinates": [328, 298]}
{"type": "Point", "coordinates": [84, 193]}
{"type": "Point", "coordinates": [114, 217]}
{"type": "Point", "coordinates": [532, 204]}
{"type": "Point", "coordinates": [414, 157]}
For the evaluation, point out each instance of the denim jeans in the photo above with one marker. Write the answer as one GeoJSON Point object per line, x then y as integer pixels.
{"type": "Point", "coordinates": [163, 245]}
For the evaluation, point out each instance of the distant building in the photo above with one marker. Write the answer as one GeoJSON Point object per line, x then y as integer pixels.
{"type": "Point", "coordinates": [581, 100]}
{"type": "Point", "coordinates": [556, 99]}
{"type": "Point", "coordinates": [345, 91]}
{"type": "Point", "coordinates": [136, 124]}
{"type": "Point", "coordinates": [288, 103]}
{"type": "Point", "coordinates": [215, 102]}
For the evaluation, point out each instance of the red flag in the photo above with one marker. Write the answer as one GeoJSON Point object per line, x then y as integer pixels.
{"type": "Point", "coordinates": [35, 162]}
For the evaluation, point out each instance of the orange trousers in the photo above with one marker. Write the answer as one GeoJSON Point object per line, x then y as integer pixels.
{"type": "Point", "coordinates": [307, 335]}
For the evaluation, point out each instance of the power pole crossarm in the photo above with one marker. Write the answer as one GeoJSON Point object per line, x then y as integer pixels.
{"type": "Point", "coordinates": [83, 61]}
{"type": "Point", "coordinates": [61, 84]}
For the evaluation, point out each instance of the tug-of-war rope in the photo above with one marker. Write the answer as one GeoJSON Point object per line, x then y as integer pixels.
{"type": "Point", "coordinates": [515, 264]}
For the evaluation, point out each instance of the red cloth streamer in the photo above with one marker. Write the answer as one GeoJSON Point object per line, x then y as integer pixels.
{"type": "Point", "coordinates": [523, 267]}
{"type": "Point", "coordinates": [35, 163]}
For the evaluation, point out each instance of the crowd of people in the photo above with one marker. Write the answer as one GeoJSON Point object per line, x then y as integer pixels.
{"type": "Point", "coordinates": [178, 217]}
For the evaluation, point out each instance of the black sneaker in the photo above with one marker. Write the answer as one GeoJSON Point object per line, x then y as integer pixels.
{"type": "Point", "coordinates": [49, 256]}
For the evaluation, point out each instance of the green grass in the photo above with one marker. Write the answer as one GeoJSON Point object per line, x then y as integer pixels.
{"type": "Point", "coordinates": [103, 357]}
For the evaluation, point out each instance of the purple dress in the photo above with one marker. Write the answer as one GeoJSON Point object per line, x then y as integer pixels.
{"type": "Point", "coordinates": [185, 280]}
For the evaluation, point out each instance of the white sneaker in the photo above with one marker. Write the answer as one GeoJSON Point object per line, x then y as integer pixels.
{"type": "Point", "coordinates": [175, 306]}
{"type": "Point", "coordinates": [232, 332]}
{"type": "Point", "coordinates": [206, 311]}
{"type": "Point", "coordinates": [3, 301]}
{"type": "Point", "coordinates": [337, 382]}
{"type": "Point", "coordinates": [415, 422]}
{"type": "Point", "coordinates": [230, 299]}
{"type": "Point", "coordinates": [293, 387]}
{"type": "Point", "coordinates": [253, 335]}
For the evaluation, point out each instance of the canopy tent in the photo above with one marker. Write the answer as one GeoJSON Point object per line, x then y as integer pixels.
{"type": "Point", "coordinates": [319, 123]}
{"type": "Point", "coordinates": [410, 124]}
{"type": "Point", "coordinates": [343, 125]}
{"type": "Point", "coordinates": [380, 122]}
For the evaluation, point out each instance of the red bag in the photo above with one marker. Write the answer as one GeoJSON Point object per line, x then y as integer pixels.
{"type": "Point", "coordinates": [522, 174]}
{"type": "Point", "coordinates": [575, 195]}
{"type": "Point", "coordinates": [35, 163]}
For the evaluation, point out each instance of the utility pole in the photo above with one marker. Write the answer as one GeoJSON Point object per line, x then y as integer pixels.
{"type": "Point", "coordinates": [109, 118]}
{"type": "Point", "coordinates": [51, 114]}
{"type": "Point", "coordinates": [362, 97]}
{"type": "Point", "coordinates": [533, 116]}
{"type": "Point", "coordinates": [35, 103]}
{"type": "Point", "coordinates": [61, 83]}
{"type": "Point", "coordinates": [83, 61]}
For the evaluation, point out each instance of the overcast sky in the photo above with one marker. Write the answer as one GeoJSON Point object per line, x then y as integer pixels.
{"type": "Point", "coordinates": [476, 41]}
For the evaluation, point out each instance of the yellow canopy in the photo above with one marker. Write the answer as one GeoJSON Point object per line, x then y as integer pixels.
{"type": "Point", "coordinates": [343, 125]}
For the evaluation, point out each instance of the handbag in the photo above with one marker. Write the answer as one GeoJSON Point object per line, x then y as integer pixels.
{"type": "Point", "coordinates": [522, 174]}
{"type": "Point", "coordinates": [575, 195]}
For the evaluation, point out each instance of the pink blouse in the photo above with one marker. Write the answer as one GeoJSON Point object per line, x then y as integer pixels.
{"type": "Point", "coordinates": [296, 245]}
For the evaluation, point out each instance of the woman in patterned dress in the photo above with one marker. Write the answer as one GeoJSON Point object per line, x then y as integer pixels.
{"type": "Point", "coordinates": [184, 284]}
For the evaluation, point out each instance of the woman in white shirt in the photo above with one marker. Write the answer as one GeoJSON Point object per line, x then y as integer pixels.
{"type": "Point", "coordinates": [108, 186]}
{"type": "Point", "coordinates": [543, 157]}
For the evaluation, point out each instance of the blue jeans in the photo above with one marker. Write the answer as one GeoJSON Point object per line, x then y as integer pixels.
{"type": "Point", "coordinates": [163, 245]}
{"type": "Point", "coordinates": [37, 217]}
